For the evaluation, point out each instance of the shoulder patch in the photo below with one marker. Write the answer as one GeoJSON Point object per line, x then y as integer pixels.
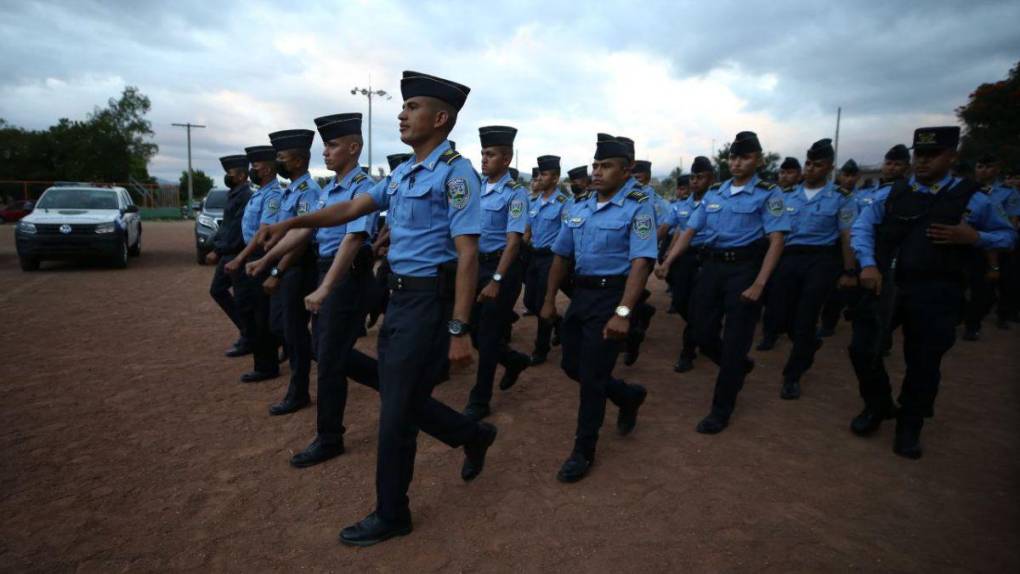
{"type": "Point", "coordinates": [642, 226]}
{"type": "Point", "coordinates": [458, 192]}
{"type": "Point", "coordinates": [765, 185]}
{"type": "Point", "coordinates": [638, 196]}
{"type": "Point", "coordinates": [449, 156]}
{"type": "Point", "coordinates": [516, 208]}
{"type": "Point", "coordinates": [776, 207]}
{"type": "Point", "coordinates": [360, 178]}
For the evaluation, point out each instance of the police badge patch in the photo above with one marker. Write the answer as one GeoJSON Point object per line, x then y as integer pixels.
{"type": "Point", "coordinates": [274, 206]}
{"type": "Point", "coordinates": [643, 226]}
{"type": "Point", "coordinates": [846, 215]}
{"type": "Point", "coordinates": [457, 192]}
{"type": "Point", "coordinates": [302, 207]}
{"type": "Point", "coordinates": [516, 208]}
{"type": "Point", "coordinates": [776, 207]}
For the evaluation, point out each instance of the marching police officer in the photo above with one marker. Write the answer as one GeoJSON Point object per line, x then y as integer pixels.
{"type": "Point", "coordinates": [504, 221]}
{"type": "Point", "coordinates": [789, 174]}
{"type": "Point", "coordinates": [227, 243]}
{"type": "Point", "coordinates": [641, 320]}
{"type": "Point", "coordinates": [580, 183]}
{"type": "Point", "coordinates": [847, 179]}
{"type": "Point", "coordinates": [434, 209]}
{"type": "Point", "coordinates": [683, 188]}
{"type": "Point", "coordinates": [611, 236]}
{"type": "Point", "coordinates": [547, 209]}
{"type": "Point", "coordinates": [1007, 277]}
{"type": "Point", "coordinates": [683, 273]}
{"type": "Point", "coordinates": [816, 250]}
{"type": "Point", "coordinates": [931, 225]}
{"type": "Point", "coordinates": [772, 325]}
{"type": "Point", "coordinates": [253, 303]}
{"type": "Point", "coordinates": [746, 220]}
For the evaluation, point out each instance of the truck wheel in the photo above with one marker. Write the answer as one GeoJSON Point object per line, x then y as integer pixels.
{"type": "Point", "coordinates": [136, 249]}
{"type": "Point", "coordinates": [120, 260]}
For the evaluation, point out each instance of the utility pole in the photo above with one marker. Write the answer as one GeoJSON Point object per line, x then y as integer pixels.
{"type": "Point", "coordinates": [839, 114]}
{"type": "Point", "coordinates": [191, 186]}
{"type": "Point", "coordinates": [369, 93]}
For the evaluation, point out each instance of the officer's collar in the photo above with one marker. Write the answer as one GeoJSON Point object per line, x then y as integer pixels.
{"type": "Point", "coordinates": [275, 184]}
{"type": "Point", "coordinates": [621, 193]}
{"type": "Point", "coordinates": [748, 187]}
{"type": "Point", "coordinates": [294, 183]}
{"type": "Point", "coordinates": [499, 183]}
{"type": "Point", "coordinates": [345, 181]}
{"type": "Point", "coordinates": [944, 183]}
{"type": "Point", "coordinates": [432, 159]}
{"type": "Point", "coordinates": [825, 190]}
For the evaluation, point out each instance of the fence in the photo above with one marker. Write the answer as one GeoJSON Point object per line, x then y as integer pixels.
{"type": "Point", "coordinates": [145, 195]}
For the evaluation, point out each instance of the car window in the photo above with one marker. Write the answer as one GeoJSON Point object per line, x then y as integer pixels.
{"type": "Point", "coordinates": [216, 200]}
{"type": "Point", "coordinates": [70, 198]}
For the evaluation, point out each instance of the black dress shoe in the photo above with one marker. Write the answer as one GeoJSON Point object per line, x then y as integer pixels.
{"type": "Point", "coordinates": [631, 357]}
{"type": "Point", "coordinates": [971, 335]}
{"type": "Point", "coordinates": [683, 365]}
{"type": "Point", "coordinates": [767, 344]}
{"type": "Point", "coordinates": [316, 453]}
{"type": "Point", "coordinates": [626, 420]}
{"type": "Point", "coordinates": [574, 468]}
{"type": "Point", "coordinates": [790, 390]}
{"type": "Point", "coordinates": [538, 358]}
{"type": "Point", "coordinates": [871, 418]}
{"type": "Point", "coordinates": [712, 424]}
{"type": "Point", "coordinates": [373, 530]}
{"type": "Point", "coordinates": [238, 352]}
{"type": "Point", "coordinates": [289, 405]}
{"type": "Point", "coordinates": [514, 370]}
{"type": "Point", "coordinates": [908, 437]}
{"type": "Point", "coordinates": [474, 451]}
{"type": "Point", "coordinates": [477, 411]}
{"type": "Point", "coordinates": [258, 376]}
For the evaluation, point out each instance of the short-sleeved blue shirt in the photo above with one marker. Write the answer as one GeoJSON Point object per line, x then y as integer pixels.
{"type": "Point", "coordinates": [299, 197]}
{"type": "Point", "coordinates": [819, 220]}
{"type": "Point", "coordinates": [682, 210]}
{"type": "Point", "coordinates": [354, 183]}
{"type": "Point", "coordinates": [263, 208]}
{"type": "Point", "coordinates": [545, 217]}
{"type": "Point", "coordinates": [735, 219]}
{"type": "Point", "coordinates": [504, 210]}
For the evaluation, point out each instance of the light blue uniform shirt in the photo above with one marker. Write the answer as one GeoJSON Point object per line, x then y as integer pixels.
{"type": "Point", "coordinates": [299, 197]}
{"type": "Point", "coordinates": [429, 203]}
{"type": "Point", "coordinates": [994, 231]}
{"type": "Point", "coordinates": [819, 220]}
{"type": "Point", "coordinates": [737, 219]}
{"type": "Point", "coordinates": [682, 211]}
{"type": "Point", "coordinates": [354, 183]}
{"type": "Point", "coordinates": [1007, 197]}
{"type": "Point", "coordinates": [545, 216]}
{"type": "Point", "coordinates": [663, 213]}
{"type": "Point", "coordinates": [504, 210]}
{"type": "Point", "coordinates": [263, 208]}
{"type": "Point", "coordinates": [603, 241]}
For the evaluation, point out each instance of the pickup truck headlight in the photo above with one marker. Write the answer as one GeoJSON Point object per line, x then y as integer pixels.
{"type": "Point", "coordinates": [207, 221]}
{"type": "Point", "coordinates": [106, 227]}
{"type": "Point", "coordinates": [26, 227]}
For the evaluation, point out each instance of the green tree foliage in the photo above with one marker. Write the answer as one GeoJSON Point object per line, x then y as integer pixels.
{"type": "Point", "coordinates": [201, 183]}
{"type": "Point", "coordinates": [992, 119]}
{"type": "Point", "coordinates": [111, 144]}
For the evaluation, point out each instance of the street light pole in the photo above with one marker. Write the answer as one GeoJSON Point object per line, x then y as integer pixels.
{"type": "Point", "coordinates": [369, 93]}
{"type": "Point", "coordinates": [191, 186]}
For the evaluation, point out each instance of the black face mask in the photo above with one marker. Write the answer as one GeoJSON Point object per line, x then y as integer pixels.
{"type": "Point", "coordinates": [281, 169]}
{"type": "Point", "coordinates": [577, 189]}
{"type": "Point", "coordinates": [228, 181]}
{"type": "Point", "coordinates": [253, 175]}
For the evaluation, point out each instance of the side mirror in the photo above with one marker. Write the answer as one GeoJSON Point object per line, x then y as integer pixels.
{"type": "Point", "coordinates": [131, 209]}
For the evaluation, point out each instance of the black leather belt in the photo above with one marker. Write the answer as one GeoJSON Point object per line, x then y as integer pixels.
{"type": "Point", "coordinates": [409, 283]}
{"type": "Point", "coordinates": [739, 255]}
{"type": "Point", "coordinates": [810, 249]}
{"type": "Point", "coordinates": [600, 281]}
{"type": "Point", "coordinates": [493, 255]}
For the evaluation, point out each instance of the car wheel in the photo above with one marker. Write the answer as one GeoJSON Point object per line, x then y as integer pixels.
{"type": "Point", "coordinates": [136, 249]}
{"type": "Point", "coordinates": [120, 260]}
{"type": "Point", "coordinates": [29, 263]}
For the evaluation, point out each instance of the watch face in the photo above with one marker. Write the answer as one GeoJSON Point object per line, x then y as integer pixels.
{"type": "Point", "coordinates": [497, 277]}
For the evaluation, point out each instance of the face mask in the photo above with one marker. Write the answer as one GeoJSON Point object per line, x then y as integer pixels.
{"type": "Point", "coordinates": [228, 181]}
{"type": "Point", "coordinates": [281, 169]}
{"type": "Point", "coordinates": [577, 189]}
{"type": "Point", "coordinates": [253, 175]}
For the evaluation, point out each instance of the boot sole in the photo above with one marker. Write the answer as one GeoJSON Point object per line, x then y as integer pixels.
{"type": "Point", "coordinates": [374, 541]}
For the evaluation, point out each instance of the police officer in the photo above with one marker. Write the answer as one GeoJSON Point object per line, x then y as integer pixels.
{"type": "Point", "coordinates": [789, 174]}
{"type": "Point", "coordinates": [546, 212]}
{"type": "Point", "coordinates": [611, 236]}
{"type": "Point", "coordinates": [931, 224]}
{"type": "Point", "coordinates": [683, 188]}
{"type": "Point", "coordinates": [227, 243]}
{"type": "Point", "coordinates": [580, 183]}
{"type": "Point", "coordinates": [1007, 276]}
{"type": "Point", "coordinates": [253, 302]}
{"type": "Point", "coordinates": [895, 166]}
{"type": "Point", "coordinates": [504, 221]}
{"type": "Point", "coordinates": [683, 273]}
{"type": "Point", "coordinates": [746, 220]}
{"type": "Point", "coordinates": [773, 325]}
{"type": "Point", "coordinates": [641, 320]}
{"type": "Point", "coordinates": [816, 250]}
{"type": "Point", "coordinates": [434, 208]}
{"type": "Point", "coordinates": [847, 179]}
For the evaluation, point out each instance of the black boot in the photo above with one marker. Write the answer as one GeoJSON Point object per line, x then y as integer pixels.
{"type": "Point", "coordinates": [871, 418]}
{"type": "Point", "coordinates": [908, 436]}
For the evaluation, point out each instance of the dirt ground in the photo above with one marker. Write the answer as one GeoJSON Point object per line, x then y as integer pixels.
{"type": "Point", "coordinates": [129, 445]}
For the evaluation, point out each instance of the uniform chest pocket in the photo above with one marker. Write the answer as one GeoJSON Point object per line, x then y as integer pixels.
{"type": "Point", "coordinates": [494, 211]}
{"type": "Point", "coordinates": [744, 213]}
{"type": "Point", "coordinates": [823, 216]}
{"type": "Point", "coordinates": [611, 235]}
{"type": "Point", "coordinates": [412, 208]}
{"type": "Point", "coordinates": [550, 212]}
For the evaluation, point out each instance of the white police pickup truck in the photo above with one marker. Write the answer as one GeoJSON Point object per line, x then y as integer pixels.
{"type": "Point", "coordinates": [72, 222]}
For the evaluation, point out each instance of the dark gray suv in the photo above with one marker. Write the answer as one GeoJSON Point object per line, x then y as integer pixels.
{"type": "Point", "coordinates": [208, 221]}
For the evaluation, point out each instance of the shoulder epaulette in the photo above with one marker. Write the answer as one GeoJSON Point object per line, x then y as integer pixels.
{"type": "Point", "coordinates": [303, 186]}
{"type": "Point", "coordinates": [765, 185]}
{"type": "Point", "coordinates": [561, 198]}
{"type": "Point", "coordinates": [637, 196]}
{"type": "Point", "coordinates": [790, 189]}
{"type": "Point", "coordinates": [449, 156]}
{"type": "Point", "coordinates": [844, 192]}
{"type": "Point", "coordinates": [582, 197]}
{"type": "Point", "coordinates": [714, 186]}
{"type": "Point", "coordinates": [515, 185]}
{"type": "Point", "coordinates": [360, 178]}
{"type": "Point", "coordinates": [987, 189]}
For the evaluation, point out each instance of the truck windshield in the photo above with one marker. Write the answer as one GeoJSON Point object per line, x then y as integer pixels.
{"type": "Point", "coordinates": [78, 199]}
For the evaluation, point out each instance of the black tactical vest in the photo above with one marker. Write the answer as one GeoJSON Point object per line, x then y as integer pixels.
{"type": "Point", "coordinates": [902, 233]}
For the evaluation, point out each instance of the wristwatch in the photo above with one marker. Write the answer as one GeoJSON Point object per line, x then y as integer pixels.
{"type": "Point", "coordinates": [458, 328]}
{"type": "Point", "coordinates": [623, 311]}
{"type": "Point", "coordinates": [274, 272]}
{"type": "Point", "coordinates": [497, 277]}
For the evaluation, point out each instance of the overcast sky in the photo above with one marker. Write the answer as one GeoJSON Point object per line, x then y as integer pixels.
{"type": "Point", "coordinates": [673, 75]}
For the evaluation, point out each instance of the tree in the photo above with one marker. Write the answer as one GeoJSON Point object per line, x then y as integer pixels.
{"type": "Point", "coordinates": [769, 169]}
{"type": "Point", "coordinates": [991, 119]}
{"type": "Point", "coordinates": [202, 185]}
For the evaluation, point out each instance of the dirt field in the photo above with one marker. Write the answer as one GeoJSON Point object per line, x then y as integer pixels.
{"type": "Point", "coordinates": [129, 445]}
